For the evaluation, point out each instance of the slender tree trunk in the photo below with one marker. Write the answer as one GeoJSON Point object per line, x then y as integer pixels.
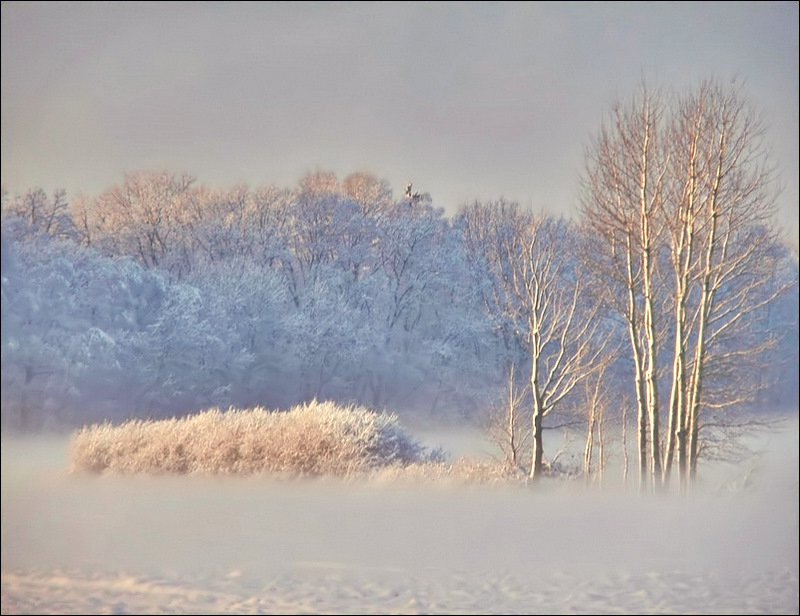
{"type": "Point", "coordinates": [538, 446]}
{"type": "Point", "coordinates": [625, 459]}
{"type": "Point", "coordinates": [682, 249]}
{"type": "Point", "coordinates": [706, 301]}
{"type": "Point", "coordinates": [588, 447]}
{"type": "Point", "coordinates": [512, 421]}
{"type": "Point", "coordinates": [651, 381]}
{"type": "Point", "coordinates": [537, 453]}
{"type": "Point", "coordinates": [638, 374]}
{"type": "Point", "coordinates": [601, 454]}
{"type": "Point", "coordinates": [537, 441]}
{"type": "Point", "coordinates": [651, 363]}
{"type": "Point", "coordinates": [706, 304]}
{"type": "Point", "coordinates": [676, 435]}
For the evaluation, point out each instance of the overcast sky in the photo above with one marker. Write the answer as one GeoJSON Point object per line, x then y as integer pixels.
{"type": "Point", "coordinates": [468, 100]}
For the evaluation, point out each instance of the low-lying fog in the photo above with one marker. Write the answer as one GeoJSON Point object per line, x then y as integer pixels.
{"type": "Point", "coordinates": [204, 527]}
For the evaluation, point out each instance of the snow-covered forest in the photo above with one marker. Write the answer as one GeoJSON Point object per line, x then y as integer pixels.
{"type": "Point", "coordinates": [164, 296]}
{"type": "Point", "coordinates": [161, 297]}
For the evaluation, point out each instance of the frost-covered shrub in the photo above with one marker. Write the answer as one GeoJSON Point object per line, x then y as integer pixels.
{"type": "Point", "coordinates": [318, 438]}
{"type": "Point", "coordinates": [464, 471]}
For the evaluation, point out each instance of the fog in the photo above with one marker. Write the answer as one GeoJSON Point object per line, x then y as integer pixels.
{"type": "Point", "coordinates": [740, 524]}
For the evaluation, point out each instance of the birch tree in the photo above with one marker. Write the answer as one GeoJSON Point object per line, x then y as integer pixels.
{"type": "Point", "coordinates": [680, 198]}
{"type": "Point", "coordinates": [540, 292]}
{"type": "Point", "coordinates": [623, 193]}
{"type": "Point", "coordinates": [723, 248]}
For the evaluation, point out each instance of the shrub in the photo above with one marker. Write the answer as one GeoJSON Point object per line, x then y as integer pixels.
{"type": "Point", "coordinates": [464, 471]}
{"type": "Point", "coordinates": [318, 438]}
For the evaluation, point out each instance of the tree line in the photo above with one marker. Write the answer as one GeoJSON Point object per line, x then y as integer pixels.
{"type": "Point", "coordinates": [671, 294]}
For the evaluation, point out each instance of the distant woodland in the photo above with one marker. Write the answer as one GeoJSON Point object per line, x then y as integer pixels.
{"type": "Point", "coordinates": [669, 305]}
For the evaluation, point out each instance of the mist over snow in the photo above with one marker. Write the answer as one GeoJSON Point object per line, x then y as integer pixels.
{"type": "Point", "coordinates": [733, 542]}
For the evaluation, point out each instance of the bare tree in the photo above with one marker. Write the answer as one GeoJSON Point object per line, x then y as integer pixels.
{"type": "Point", "coordinates": [541, 294]}
{"type": "Point", "coordinates": [597, 396]}
{"type": "Point", "coordinates": [623, 193]}
{"type": "Point", "coordinates": [680, 198]}
{"type": "Point", "coordinates": [725, 211]}
{"type": "Point", "coordinates": [507, 423]}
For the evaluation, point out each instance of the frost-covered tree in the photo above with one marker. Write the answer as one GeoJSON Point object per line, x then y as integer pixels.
{"type": "Point", "coordinates": [371, 193]}
{"type": "Point", "coordinates": [88, 337]}
{"type": "Point", "coordinates": [141, 218]}
{"type": "Point", "coordinates": [38, 213]}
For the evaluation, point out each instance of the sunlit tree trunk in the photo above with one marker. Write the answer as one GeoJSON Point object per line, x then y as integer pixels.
{"type": "Point", "coordinates": [621, 207]}
{"type": "Point", "coordinates": [693, 187]}
{"type": "Point", "coordinates": [648, 201]}
{"type": "Point", "coordinates": [681, 226]}
{"type": "Point", "coordinates": [727, 218]}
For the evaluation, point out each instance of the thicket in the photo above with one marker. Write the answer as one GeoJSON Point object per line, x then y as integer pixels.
{"type": "Point", "coordinates": [314, 439]}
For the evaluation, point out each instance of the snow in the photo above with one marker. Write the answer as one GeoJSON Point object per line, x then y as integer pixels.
{"type": "Point", "coordinates": [84, 544]}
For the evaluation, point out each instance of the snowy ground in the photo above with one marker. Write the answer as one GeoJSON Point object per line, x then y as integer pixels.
{"type": "Point", "coordinates": [190, 545]}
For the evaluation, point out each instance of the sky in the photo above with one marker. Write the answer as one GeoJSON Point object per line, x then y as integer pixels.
{"type": "Point", "coordinates": [466, 100]}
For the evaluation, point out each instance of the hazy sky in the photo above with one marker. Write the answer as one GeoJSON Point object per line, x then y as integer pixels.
{"type": "Point", "coordinates": [468, 100]}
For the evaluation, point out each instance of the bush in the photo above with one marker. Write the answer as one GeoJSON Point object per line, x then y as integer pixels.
{"type": "Point", "coordinates": [464, 471]}
{"type": "Point", "coordinates": [318, 438]}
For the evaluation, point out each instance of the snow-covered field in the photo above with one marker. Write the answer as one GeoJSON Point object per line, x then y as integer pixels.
{"type": "Point", "coordinates": [191, 545]}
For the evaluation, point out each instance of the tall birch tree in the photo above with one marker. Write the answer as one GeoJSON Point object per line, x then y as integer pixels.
{"type": "Point", "coordinates": [623, 194]}
{"type": "Point", "coordinates": [680, 197]}
{"type": "Point", "coordinates": [722, 249]}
